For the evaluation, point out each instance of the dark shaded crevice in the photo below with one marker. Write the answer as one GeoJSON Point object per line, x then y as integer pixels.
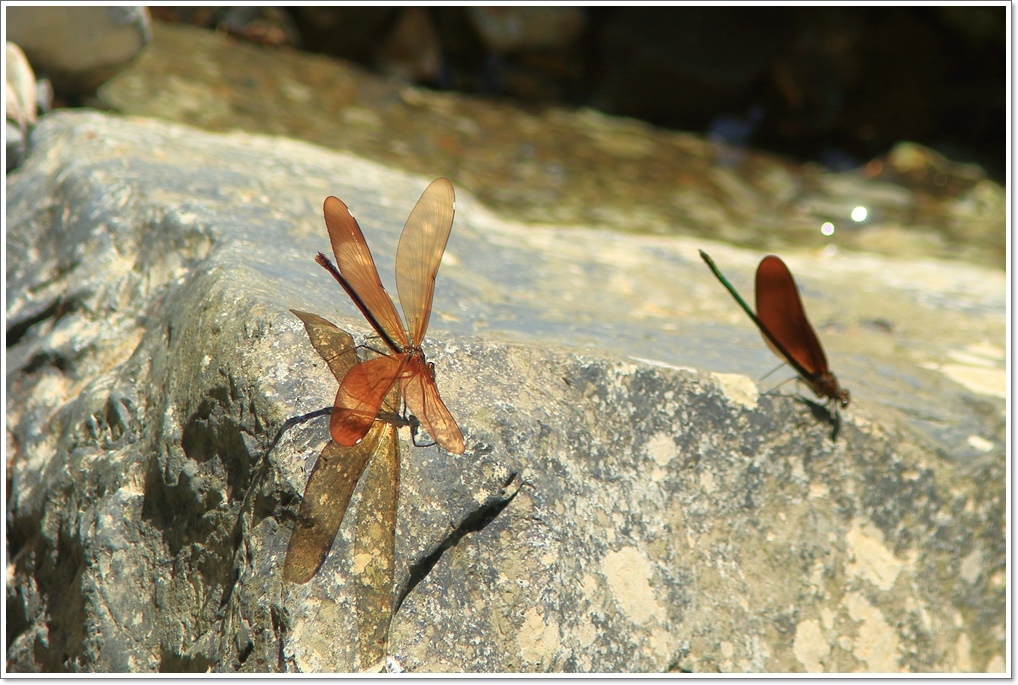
{"type": "Point", "coordinates": [475, 522]}
{"type": "Point", "coordinates": [59, 577]}
{"type": "Point", "coordinates": [57, 309]}
{"type": "Point", "coordinates": [18, 620]}
{"type": "Point", "coordinates": [22, 529]}
{"type": "Point", "coordinates": [258, 504]}
{"type": "Point", "coordinates": [188, 499]}
{"type": "Point", "coordinates": [245, 646]}
{"type": "Point", "coordinates": [42, 360]}
{"type": "Point", "coordinates": [176, 509]}
{"type": "Point", "coordinates": [176, 663]}
{"type": "Point", "coordinates": [280, 627]}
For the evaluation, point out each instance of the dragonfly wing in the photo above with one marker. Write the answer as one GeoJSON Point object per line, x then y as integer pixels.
{"type": "Point", "coordinates": [779, 309]}
{"type": "Point", "coordinates": [375, 542]}
{"type": "Point", "coordinates": [421, 394]}
{"type": "Point", "coordinates": [358, 269]}
{"type": "Point", "coordinates": [419, 254]}
{"type": "Point", "coordinates": [360, 396]}
{"type": "Point", "coordinates": [326, 497]}
{"type": "Point", "coordinates": [332, 344]}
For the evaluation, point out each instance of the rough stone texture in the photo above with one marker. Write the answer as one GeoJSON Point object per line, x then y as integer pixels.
{"type": "Point", "coordinates": [612, 512]}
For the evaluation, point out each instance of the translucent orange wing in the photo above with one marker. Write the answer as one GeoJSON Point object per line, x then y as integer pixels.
{"type": "Point", "coordinates": [358, 270]}
{"type": "Point", "coordinates": [374, 546]}
{"type": "Point", "coordinates": [419, 254]}
{"type": "Point", "coordinates": [423, 401]}
{"type": "Point", "coordinates": [332, 344]}
{"type": "Point", "coordinates": [780, 310]}
{"type": "Point", "coordinates": [326, 498]}
{"type": "Point", "coordinates": [360, 396]}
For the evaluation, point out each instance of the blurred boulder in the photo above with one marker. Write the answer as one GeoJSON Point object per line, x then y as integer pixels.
{"type": "Point", "coordinates": [271, 26]}
{"type": "Point", "coordinates": [78, 48]}
{"type": "Point", "coordinates": [25, 99]}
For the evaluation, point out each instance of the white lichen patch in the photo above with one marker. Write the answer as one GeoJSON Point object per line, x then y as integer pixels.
{"type": "Point", "coordinates": [738, 389]}
{"type": "Point", "coordinates": [707, 482]}
{"type": "Point", "coordinates": [979, 443]}
{"type": "Point", "coordinates": [629, 574]}
{"type": "Point", "coordinates": [810, 646]}
{"type": "Point", "coordinates": [875, 642]}
{"type": "Point", "coordinates": [996, 664]}
{"type": "Point", "coordinates": [659, 646]}
{"type": "Point", "coordinates": [871, 560]}
{"type": "Point", "coordinates": [971, 565]}
{"type": "Point", "coordinates": [538, 639]}
{"type": "Point", "coordinates": [361, 561]}
{"type": "Point", "coordinates": [315, 632]}
{"type": "Point", "coordinates": [963, 653]}
{"type": "Point", "coordinates": [661, 448]}
{"type": "Point", "coordinates": [586, 633]}
{"type": "Point", "coordinates": [589, 587]}
{"type": "Point", "coordinates": [757, 652]}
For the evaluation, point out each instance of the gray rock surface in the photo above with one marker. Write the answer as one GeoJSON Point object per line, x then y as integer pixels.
{"type": "Point", "coordinates": [625, 502]}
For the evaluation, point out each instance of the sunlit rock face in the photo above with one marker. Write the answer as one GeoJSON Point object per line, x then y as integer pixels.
{"type": "Point", "coordinates": [628, 500]}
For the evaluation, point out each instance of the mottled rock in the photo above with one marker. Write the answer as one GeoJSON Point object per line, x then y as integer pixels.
{"type": "Point", "coordinates": [78, 48]}
{"type": "Point", "coordinates": [622, 505]}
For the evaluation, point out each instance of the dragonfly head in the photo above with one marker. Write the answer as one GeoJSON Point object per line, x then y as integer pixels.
{"type": "Point", "coordinates": [843, 397]}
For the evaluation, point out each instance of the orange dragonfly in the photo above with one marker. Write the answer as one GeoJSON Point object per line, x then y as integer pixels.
{"type": "Point", "coordinates": [418, 256]}
{"type": "Point", "coordinates": [786, 330]}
